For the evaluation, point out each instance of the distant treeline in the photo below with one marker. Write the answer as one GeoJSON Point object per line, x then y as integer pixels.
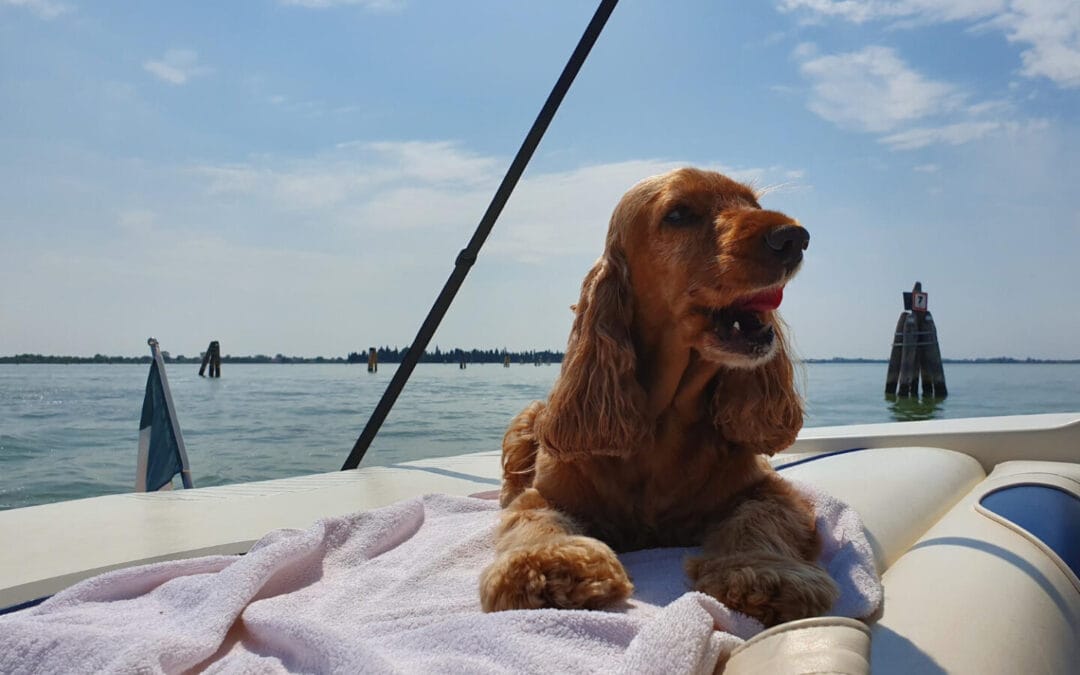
{"type": "Point", "coordinates": [394, 355]}
{"type": "Point", "coordinates": [386, 355]}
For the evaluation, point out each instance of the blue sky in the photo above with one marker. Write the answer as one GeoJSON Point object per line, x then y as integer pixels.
{"type": "Point", "coordinates": [297, 176]}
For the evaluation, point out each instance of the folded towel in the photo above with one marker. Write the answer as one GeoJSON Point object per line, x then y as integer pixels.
{"type": "Point", "coordinates": [394, 590]}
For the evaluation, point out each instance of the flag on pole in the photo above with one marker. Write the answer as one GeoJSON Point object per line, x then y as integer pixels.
{"type": "Point", "coordinates": [161, 446]}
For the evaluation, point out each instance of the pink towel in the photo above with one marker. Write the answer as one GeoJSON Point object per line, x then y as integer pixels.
{"type": "Point", "coordinates": [394, 590]}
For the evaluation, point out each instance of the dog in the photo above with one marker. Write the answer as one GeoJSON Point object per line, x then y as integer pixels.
{"type": "Point", "coordinates": [675, 386]}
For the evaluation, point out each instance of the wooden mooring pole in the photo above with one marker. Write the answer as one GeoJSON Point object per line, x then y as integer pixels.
{"type": "Point", "coordinates": [372, 360]}
{"type": "Point", "coordinates": [915, 353]}
{"type": "Point", "coordinates": [909, 348]}
{"type": "Point", "coordinates": [894, 357]}
{"type": "Point", "coordinates": [211, 358]}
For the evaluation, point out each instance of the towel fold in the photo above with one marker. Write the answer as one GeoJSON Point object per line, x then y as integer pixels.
{"type": "Point", "coordinates": [394, 590]}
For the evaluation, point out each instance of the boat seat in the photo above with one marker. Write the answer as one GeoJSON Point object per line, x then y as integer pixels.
{"type": "Point", "coordinates": [898, 492]}
{"type": "Point", "coordinates": [980, 592]}
{"type": "Point", "coordinates": [970, 587]}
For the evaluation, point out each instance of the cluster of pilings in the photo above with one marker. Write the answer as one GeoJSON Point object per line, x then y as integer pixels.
{"type": "Point", "coordinates": [211, 358]}
{"type": "Point", "coordinates": [915, 351]}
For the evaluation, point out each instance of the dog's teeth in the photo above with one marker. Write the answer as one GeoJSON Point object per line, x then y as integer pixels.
{"type": "Point", "coordinates": [736, 326]}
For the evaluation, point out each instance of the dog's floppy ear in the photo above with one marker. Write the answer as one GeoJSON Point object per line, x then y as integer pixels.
{"type": "Point", "coordinates": [758, 409]}
{"type": "Point", "coordinates": [597, 405]}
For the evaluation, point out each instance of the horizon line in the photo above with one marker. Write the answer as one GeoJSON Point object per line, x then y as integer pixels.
{"type": "Point", "coordinates": [452, 354]}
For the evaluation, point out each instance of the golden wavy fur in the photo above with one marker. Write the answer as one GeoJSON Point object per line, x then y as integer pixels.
{"type": "Point", "coordinates": [675, 384]}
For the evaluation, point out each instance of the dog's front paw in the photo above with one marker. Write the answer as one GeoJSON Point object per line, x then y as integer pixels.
{"type": "Point", "coordinates": [572, 572]}
{"type": "Point", "coordinates": [772, 590]}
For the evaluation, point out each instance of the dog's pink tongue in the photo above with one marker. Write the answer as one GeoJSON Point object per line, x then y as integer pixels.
{"type": "Point", "coordinates": [763, 302]}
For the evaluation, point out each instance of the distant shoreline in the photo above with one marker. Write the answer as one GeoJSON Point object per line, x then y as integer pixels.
{"type": "Point", "coordinates": [450, 357]}
{"type": "Point", "coordinates": [385, 354]}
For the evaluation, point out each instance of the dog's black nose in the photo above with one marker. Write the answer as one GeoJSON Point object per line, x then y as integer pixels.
{"type": "Point", "coordinates": [788, 242]}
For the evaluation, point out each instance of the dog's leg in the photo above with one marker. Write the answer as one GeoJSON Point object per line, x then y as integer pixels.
{"type": "Point", "coordinates": [519, 454]}
{"type": "Point", "coordinates": [759, 559]}
{"type": "Point", "coordinates": [542, 560]}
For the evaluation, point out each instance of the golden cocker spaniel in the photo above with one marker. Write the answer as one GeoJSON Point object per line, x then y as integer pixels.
{"type": "Point", "coordinates": [675, 384]}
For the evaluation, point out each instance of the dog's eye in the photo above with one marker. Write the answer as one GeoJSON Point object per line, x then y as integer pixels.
{"type": "Point", "coordinates": [680, 215]}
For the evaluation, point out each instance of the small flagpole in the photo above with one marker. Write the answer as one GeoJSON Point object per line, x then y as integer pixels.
{"type": "Point", "coordinates": [185, 470]}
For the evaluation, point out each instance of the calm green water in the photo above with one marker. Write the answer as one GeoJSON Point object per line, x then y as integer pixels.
{"type": "Point", "coordinates": [71, 431]}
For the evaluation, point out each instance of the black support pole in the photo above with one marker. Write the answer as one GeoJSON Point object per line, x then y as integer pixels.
{"type": "Point", "coordinates": [468, 255]}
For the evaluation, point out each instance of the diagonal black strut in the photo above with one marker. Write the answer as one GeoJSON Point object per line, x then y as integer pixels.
{"type": "Point", "coordinates": [467, 256]}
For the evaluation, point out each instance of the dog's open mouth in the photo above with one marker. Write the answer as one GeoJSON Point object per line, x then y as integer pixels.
{"type": "Point", "coordinates": [744, 327]}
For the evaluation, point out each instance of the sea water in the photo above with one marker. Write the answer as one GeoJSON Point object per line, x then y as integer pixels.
{"type": "Point", "coordinates": [71, 431]}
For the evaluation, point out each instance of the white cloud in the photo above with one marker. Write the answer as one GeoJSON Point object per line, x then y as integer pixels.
{"type": "Point", "coordinates": [804, 51]}
{"type": "Point", "coordinates": [989, 107]}
{"type": "Point", "coordinates": [1047, 30]}
{"type": "Point", "coordinates": [927, 168]}
{"type": "Point", "coordinates": [368, 189]}
{"type": "Point", "coordinates": [137, 221]}
{"type": "Point", "coordinates": [372, 5]}
{"type": "Point", "coordinates": [1052, 28]}
{"type": "Point", "coordinates": [45, 9]}
{"type": "Point", "coordinates": [355, 175]}
{"type": "Point", "coordinates": [177, 66]}
{"type": "Point", "coordinates": [961, 132]}
{"type": "Point", "coordinates": [327, 252]}
{"type": "Point", "coordinates": [873, 90]}
{"type": "Point", "coordinates": [862, 11]}
{"type": "Point", "coordinates": [311, 108]}
{"type": "Point", "coordinates": [949, 134]}
{"type": "Point", "coordinates": [538, 228]}
{"type": "Point", "coordinates": [436, 162]}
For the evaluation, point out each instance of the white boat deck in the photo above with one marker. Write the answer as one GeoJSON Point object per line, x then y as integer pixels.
{"type": "Point", "coordinates": [102, 533]}
{"type": "Point", "coordinates": [61, 543]}
{"type": "Point", "coordinates": [918, 491]}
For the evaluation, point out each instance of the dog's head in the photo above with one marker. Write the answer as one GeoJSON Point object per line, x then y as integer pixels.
{"type": "Point", "coordinates": [692, 262]}
{"type": "Point", "coordinates": [702, 254]}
